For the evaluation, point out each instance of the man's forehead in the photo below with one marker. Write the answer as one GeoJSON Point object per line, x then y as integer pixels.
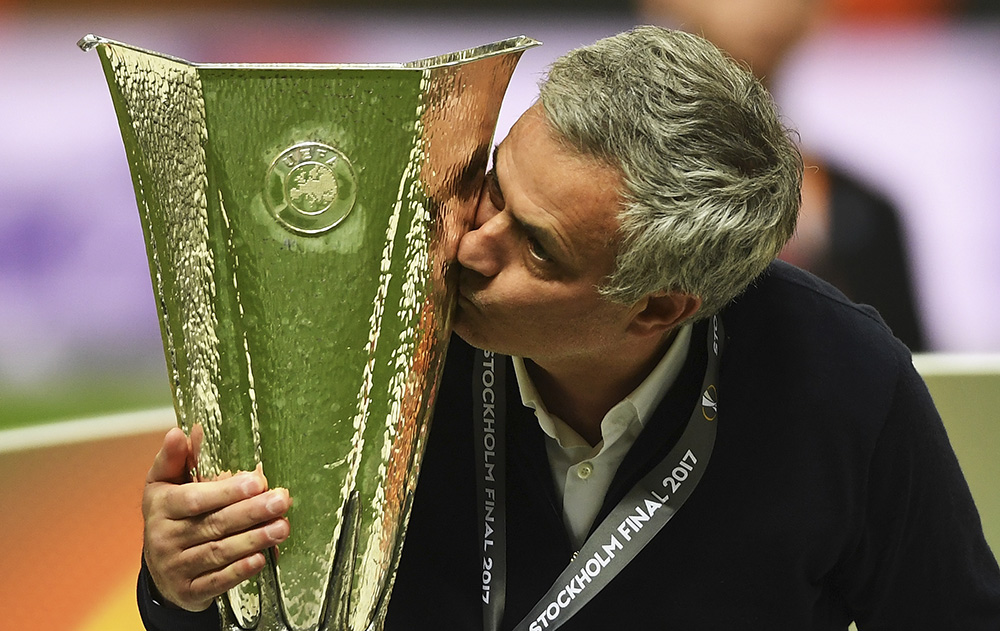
{"type": "Point", "coordinates": [577, 197]}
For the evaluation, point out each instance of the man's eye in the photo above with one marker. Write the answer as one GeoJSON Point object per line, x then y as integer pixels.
{"type": "Point", "coordinates": [493, 189]}
{"type": "Point", "coordinates": [537, 250]}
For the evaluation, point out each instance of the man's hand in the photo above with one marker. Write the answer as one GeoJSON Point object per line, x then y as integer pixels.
{"type": "Point", "coordinates": [203, 538]}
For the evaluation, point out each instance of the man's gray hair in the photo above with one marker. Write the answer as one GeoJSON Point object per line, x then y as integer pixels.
{"type": "Point", "coordinates": [712, 178]}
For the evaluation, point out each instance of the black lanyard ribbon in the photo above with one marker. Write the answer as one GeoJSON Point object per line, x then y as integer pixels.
{"type": "Point", "coordinates": [633, 523]}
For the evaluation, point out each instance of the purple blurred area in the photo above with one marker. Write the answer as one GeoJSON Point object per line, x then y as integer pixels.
{"type": "Point", "coordinates": [912, 108]}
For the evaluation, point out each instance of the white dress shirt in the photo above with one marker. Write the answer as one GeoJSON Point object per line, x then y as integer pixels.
{"type": "Point", "coordinates": [583, 473]}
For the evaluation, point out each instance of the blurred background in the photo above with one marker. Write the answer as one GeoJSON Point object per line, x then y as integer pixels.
{"type": "Point", "coordinates": [897, 104]}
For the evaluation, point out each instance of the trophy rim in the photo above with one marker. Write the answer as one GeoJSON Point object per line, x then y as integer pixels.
{"type": "Point", "coordinates": [514, 44]}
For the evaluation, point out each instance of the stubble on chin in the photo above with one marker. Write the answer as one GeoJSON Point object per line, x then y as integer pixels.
{"type": "Point", "coordinates": [460, 323]}
{"type": "Point", "coordinates": [469, 324]}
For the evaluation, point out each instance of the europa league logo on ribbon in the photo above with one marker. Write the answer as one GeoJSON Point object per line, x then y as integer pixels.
{"type": "Point", "coordinates": [302, 224]}
{"type": "Point", "coordinates": [709, 403]}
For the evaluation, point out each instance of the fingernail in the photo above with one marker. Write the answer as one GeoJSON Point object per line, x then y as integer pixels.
{"type": "Point", "coordinates": [276, 530]}
{"type": "Point", "coordinates": [250, 484]}
{"type": "Point", "coordinates": [256, 561]}
{"type": "Point", "coordinates": [277, 503]}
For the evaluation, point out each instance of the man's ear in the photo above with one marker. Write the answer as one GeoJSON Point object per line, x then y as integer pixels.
{"type": "Point", "coordinates": [661, 311]}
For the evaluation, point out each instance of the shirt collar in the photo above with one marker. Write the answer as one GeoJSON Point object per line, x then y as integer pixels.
{"type": "Point", "coordinates": [643, 399]}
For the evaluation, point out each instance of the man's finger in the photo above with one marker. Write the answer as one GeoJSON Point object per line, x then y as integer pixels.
{"type": "Point", "coordinates": [234, 519]}
{"type": "Point", "coordinates": [217, 566]}
{"type": "Point", "coordinates": [215, 555]}
{"type": "Point", "coordinates": [170, 464]}
{"type": "Point", "coordinates": [206, 587]}
{"type": "Point", "coordinates": [191, 500]}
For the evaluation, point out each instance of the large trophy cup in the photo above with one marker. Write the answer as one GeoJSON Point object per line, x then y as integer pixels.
{"type": "Point", "coordinates": [301, 224]}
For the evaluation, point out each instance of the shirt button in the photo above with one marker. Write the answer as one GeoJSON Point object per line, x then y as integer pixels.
{"type": "Point", "coordinates": [584, 470]}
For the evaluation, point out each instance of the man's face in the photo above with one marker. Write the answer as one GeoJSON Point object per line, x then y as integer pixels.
{"type": "Point", "coordinates": [542, 241]}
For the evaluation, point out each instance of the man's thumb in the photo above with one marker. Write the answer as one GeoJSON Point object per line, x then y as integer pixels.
{"type": "Point", "coordinates": [171, 463]}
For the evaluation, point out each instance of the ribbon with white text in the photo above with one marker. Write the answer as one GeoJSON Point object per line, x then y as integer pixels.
{"type": "Point", "coordinates": [633, 523]}
{"type": "Point", "coordinates": [490, 403]}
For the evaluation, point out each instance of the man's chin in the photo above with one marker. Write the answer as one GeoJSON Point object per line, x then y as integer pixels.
{"type": "Point", "coordinates": [461, 326]}
{"type": "Point", "coordinates": [468, 339]}
{"type": "Point", "coordinates": [471, 332]}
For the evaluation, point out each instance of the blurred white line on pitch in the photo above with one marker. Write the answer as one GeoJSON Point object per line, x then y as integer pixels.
{"type": "Point", "coordinates": [81, 430]}
{"type": "Point", "coordinates": [933, 364]}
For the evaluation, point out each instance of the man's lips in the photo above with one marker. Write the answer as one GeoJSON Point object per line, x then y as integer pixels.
{"type": "Point", "coordinates": [467, 289]}
{"type": "Point", "coordinates": [467, 298]}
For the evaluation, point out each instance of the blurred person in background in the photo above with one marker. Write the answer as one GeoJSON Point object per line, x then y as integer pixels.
{"type": "Point", "coordinates": [847, 233]}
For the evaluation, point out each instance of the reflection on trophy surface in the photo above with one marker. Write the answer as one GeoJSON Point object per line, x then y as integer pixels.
{"type": "Point", "coordinates": [301, 225]}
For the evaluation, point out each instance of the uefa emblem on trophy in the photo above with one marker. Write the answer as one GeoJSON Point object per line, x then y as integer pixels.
{"type": "Point", "coordinates": [301, 225]}
{"type": "Point", "coordinates": [310, 188]}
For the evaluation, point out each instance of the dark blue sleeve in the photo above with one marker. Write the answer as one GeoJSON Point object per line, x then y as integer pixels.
{"type": "Point", "coordinates": [921, 560]}
{"type": "Point", "coordinates": [157, 616]}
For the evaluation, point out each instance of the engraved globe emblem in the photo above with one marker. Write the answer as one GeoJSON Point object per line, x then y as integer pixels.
{"type": "Point", "coordinates": [310, 188]}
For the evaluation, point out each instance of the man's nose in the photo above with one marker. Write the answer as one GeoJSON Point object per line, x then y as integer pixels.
{"type": "Point", "coordinates": [483, 249]}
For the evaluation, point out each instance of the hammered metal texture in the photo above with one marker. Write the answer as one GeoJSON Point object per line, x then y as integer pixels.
{"type": "Point", "coordinates": [302, 224]}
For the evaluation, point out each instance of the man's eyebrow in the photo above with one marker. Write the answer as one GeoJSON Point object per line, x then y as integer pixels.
{"type": "Point", "coordinates": [544, 237]}
{"type": "Point", "coordinates": [538, 234]}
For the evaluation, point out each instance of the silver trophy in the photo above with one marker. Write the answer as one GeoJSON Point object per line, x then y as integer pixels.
{"type": "Point", "coordinates": [301, 225]}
